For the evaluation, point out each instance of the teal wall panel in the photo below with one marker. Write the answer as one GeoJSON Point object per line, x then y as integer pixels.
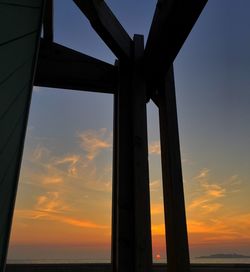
{"type": "Point", "coordinates": [20, 28]}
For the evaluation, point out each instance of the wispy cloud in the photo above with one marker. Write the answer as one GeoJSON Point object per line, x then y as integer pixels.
{"type": "Point", "coordinates": [225, 229]}
{"type": "Point", "coordinates": [61, 218]}
{"type": "Point", "coordinates": [99, 185]}
{"type": "Point", "coordinates": [154, 148]}
{"type": "Point", "coordinates": [203, 173]}
{"type": "Point", "coordinates": [71, 161]}
{"type": "Point", "coordinates": [47, 180]}
{"type": "Point", "coordinates": [83, 223]}
{"type": "Point", "coordinates": [209, 192]}
{"type": "Point", "coordinates": [158, 229]}
{"type": "Point", "coordinates": [51, 202]}
{"type": "Point", "coordinates": [40, 153]}
{"type": "Point", "coordinates": [93, 141]}
{"type": "Point", "coordinates": [52, 207]}
{"type": "Point", "coordinates": [155, 185]}
{"type": "Point", "coordinates": [157, 208]}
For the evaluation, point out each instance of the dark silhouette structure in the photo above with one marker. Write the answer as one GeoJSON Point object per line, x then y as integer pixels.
{"type": "Point", "coordinates": [138, 75]}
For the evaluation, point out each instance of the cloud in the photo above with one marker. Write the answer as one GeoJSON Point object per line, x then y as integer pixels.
{"type": "Point", "coordinates": [234, 228]}
{"type": "Point", "coordinates": [203, 173]}
{"type": "Point", "coordinates": [93, 141]}
{"type": "Point", "coordinates": [43, 215]}
{"type": "Point", "coordinates": [49, 171]}
{"type": "Point", "coordinates": [154, 148]}
{"type": "Point", "coordinates": [158, 229]}
{"type": "Point", "coordinates": [211, 219]}
{"type": "Point", "coordinates": [185, 159]}
{"type": "Point", "coordinates": [52, 180]}
{"type": "Point", "coordinates": [45, 168]}
{"type": "Point", "coordinates": [82, 223]}
{"type": "Point", "coordinates": [208, 193]}
{"type": "Point", "coordinates": [40, 153]}
{"type": "Point", "coordinates": [155, 185]}
{"type": "Point", "coordinates": [234, 180]}
{"type": "Point", "coordinates": [99, 185]}
{"type": "Point", "coordinates": [197, 202]}
{"type": "Point", "coordinates": [214, 190]}
{"type": "Point", "coordinates": [211, 207]}
{"type": "Point", "coordinates": [51, 202]}
{"type": "Point", "coordinates": [52, 207]}
{"type": "Point", "coordinates": [157, 208]}
{"type": "Point", "coordinates": [72, 163]}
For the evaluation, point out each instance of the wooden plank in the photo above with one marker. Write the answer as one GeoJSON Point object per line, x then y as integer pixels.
{"type": "Point", "coordinates": [48, 28]}
{"type": "Point", "coordinates": [61, 67]}
{"type": "Point", "coordinates": [172, 22]}
{"type": "Point", "coordinates": [174, 205]}
{"type": "Point", "coordinates": [16, 83]}
{"type": "Point", "coordinates": [107, 26]}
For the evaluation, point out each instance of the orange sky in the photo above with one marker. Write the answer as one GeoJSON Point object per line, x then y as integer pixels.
{"type": "Point", "coordinates": [66, 201]}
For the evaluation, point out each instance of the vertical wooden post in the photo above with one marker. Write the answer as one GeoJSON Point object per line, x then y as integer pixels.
{"type": "Point", "coordinates": [143, 244]}
{"type": "Point", "coordinates": [125, 201]}
{"type": "Point", "coordinates": [114, 188]}
{"type": "Point", "coordinates": [134, 249]}
{"type": "Point", "coordinates": [174, 205]}
{"type": "Point", "coordinates": [48, 28]}
{"type": "Point", "coordinates": [18, 54]}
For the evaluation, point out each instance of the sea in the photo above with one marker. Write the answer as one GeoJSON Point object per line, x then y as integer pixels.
{"type": "Point", "coordinates": [88, 261]}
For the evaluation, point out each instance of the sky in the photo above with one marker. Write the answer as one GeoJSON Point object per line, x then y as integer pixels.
{"type": "Point", "coordinates": [63, 207]}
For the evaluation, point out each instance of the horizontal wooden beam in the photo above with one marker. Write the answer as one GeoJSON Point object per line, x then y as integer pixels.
{"type": "Point", "coordinates": [172, 22]}
{"type": "Point", "coordinates": [62, 67]}
{"type": "Point", "coordinates": [107, 26]}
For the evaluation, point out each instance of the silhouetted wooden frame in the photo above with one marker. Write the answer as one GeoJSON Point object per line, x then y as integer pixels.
{"type": "Point", "coordinates": [139, 75]}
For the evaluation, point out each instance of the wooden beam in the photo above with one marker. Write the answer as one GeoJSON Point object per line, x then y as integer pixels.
{"type": "Point", "coordinates": [114, 185]}
{"type": "Point", "coordinates": [134, 248]}
{"type": "Point", "coordinates": [107, 26]}
{"type": "Point", "coordinates": [48, 30]}
{"type": "Point", "coordinates": [174, 205]}
{"type": "Point", "coordinates": [172, 22]}
{"type": "Point", "coordinates": [143, 243]}
{"type": "Point", "coordinates": [125, 201]}
{"type": "Point", "coordinates": [62, 67]}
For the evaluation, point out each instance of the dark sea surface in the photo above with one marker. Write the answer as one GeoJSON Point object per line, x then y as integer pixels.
{"type": "Point", "coordinates": [77, 261]}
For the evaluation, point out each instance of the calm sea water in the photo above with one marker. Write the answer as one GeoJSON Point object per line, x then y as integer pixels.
{"type": "Point", "coordinates": [193, 260]}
